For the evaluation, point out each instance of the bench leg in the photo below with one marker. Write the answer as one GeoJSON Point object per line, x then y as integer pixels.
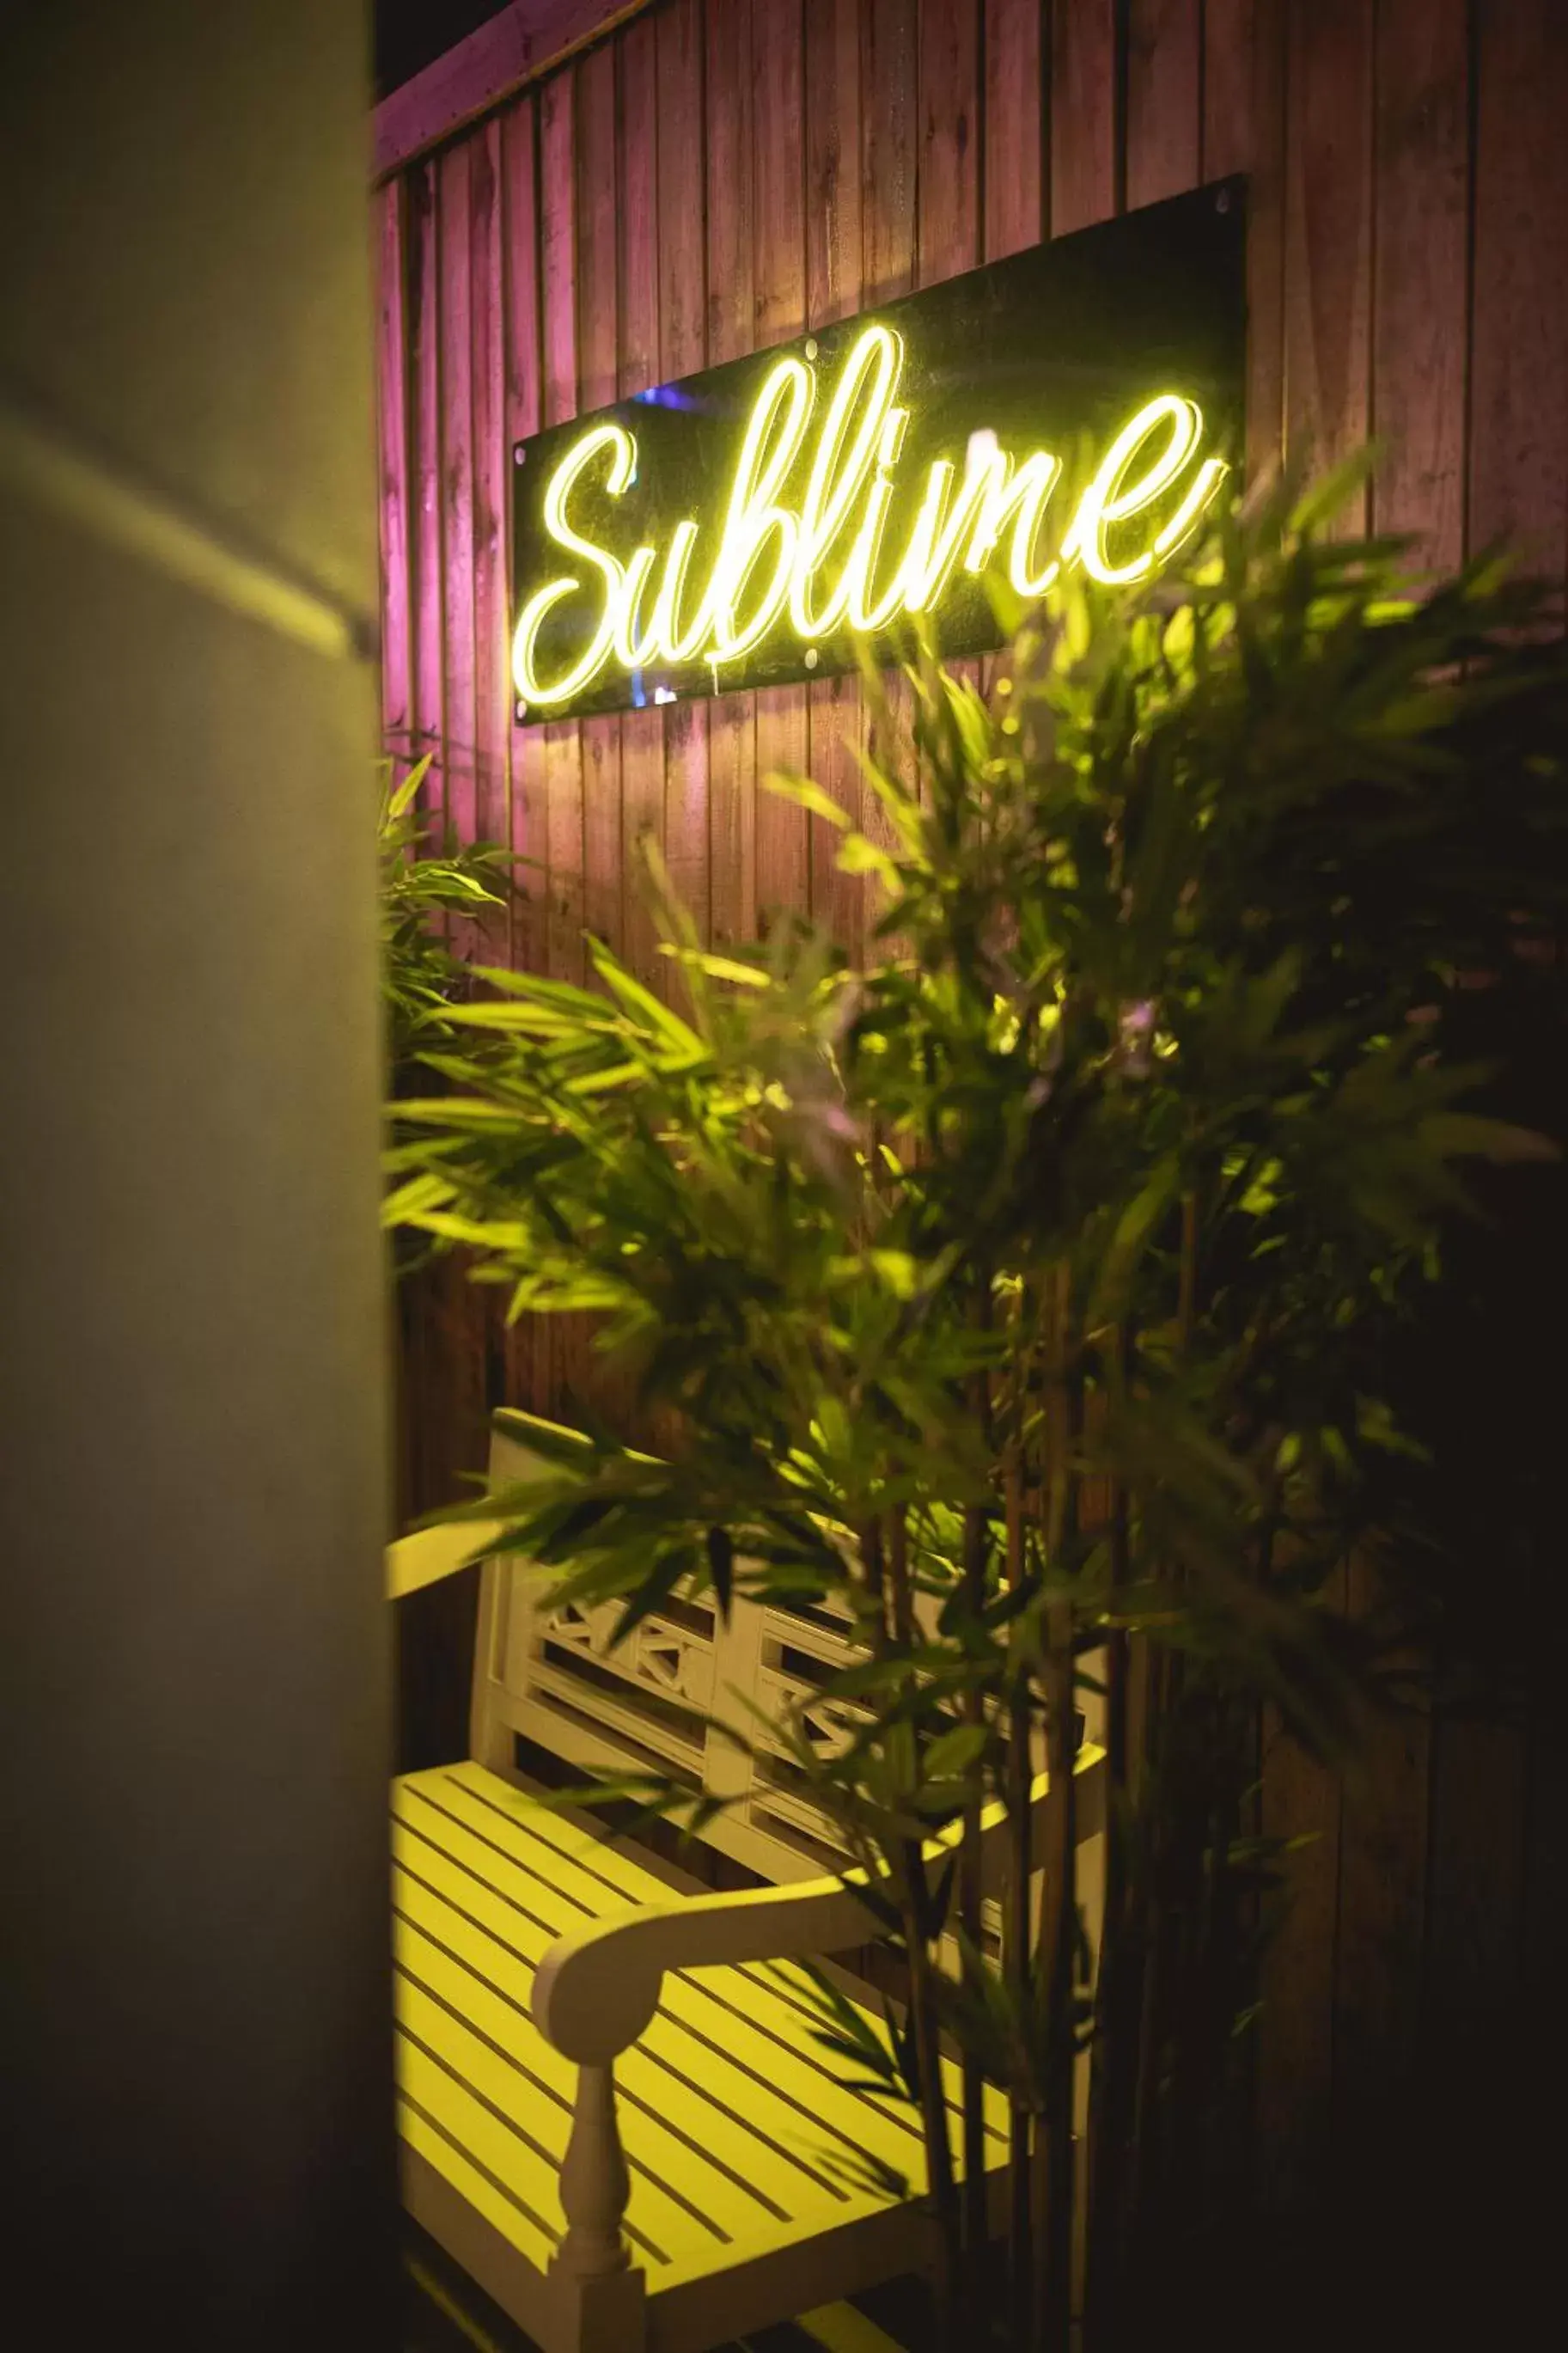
{"type": "Point", "coordinates": [604, 2315]}
{"type": "Point", "coordinates": [600, 2304]}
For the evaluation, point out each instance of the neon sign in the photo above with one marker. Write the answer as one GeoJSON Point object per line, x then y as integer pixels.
{"type": "Point", "coordinates": [701, 541]}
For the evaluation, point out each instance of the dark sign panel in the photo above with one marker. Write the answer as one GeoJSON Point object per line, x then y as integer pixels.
{"type": "Point", "coordinates": [1078, 403]}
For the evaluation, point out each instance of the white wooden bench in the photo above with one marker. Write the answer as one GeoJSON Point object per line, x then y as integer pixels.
{"type": "Point", "coordinates": [613, 2114]}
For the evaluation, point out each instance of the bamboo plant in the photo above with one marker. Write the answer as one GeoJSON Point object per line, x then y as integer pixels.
{"type": "Point", "coordinates": [423, 891]}
{"type": "Point", "coordinates": [1029, 1290]}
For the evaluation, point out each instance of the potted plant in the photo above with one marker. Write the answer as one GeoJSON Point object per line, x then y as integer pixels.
{"type": "Point", "coordinates": [1030, 1290]}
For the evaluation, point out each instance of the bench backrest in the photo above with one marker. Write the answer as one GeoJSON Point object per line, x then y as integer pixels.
{"type": "Point", "coordinates": [550, 1677]}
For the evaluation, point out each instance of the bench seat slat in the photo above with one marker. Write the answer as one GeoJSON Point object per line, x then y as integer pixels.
{"type": "Point", "coordinates": [490, 2196]}
{"type": "Point", "coordinates": [461, 2124]}
{"type": "Point", "coordinates": [566, 1867]}
{"type": "Point", "coordinates": [661, 2066]}
{"type": "Point", "coordinates": [707, 2018]}
{"type": "Point", "coordinates": [598, 1859]}
{"type": "Point", "coordinates": [593, 1872]}
{"type": "Point", "coordinates": [738, 2137]}
{"type": "Point", "coordinates": [547, 2083]}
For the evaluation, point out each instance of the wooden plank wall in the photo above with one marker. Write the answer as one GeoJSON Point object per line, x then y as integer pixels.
{"type": "Point", "coordinates": [719, 174]}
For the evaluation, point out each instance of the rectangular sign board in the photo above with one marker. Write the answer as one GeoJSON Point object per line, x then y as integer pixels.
{"type": "Point", "coordinates": [777, 518]}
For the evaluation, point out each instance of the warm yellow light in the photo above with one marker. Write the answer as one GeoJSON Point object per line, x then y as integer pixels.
{"type": "Point", "coordinates": [623, 452]}
{"type": "Point", "coordinates": [1193, 507]}
{"type": "Point", "coordinates": [771, 552]}
{"type": "Point", "coordinates": [942, 522]}
{"type": "Point", "coordinates": [1024, 495]}
{"type": "Point", "coordinates": [1112, 498]}
{"type": "Point", "coordinates": [863, 609]}
{"type": "Point", "coordinates": [671, 642]}
{"type": "Point", "coordinates": [773, 436]}
{"type": "Point", "coordinates": [632, 651]}
{"type": "Point", "coordinates": [868, 378]}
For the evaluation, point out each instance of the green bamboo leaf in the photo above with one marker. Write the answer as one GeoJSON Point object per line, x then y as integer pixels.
{"type": "Point", "coordinates": [402, 800]}
{"type": "Point", "coordinates": [718, 968]}
{"type": "Point", "coordinates": [856, 855]}
{"type": "Point", "coordinates": [638, 1000]}
{"type": "Point", "coordinates": [1134, 1231]}
{"type": "Point", "coordinates": [789, 786]}
{"type": "Point", "coordinates": [952, 1756]}
{"type": "Point", "coordinates": [1468, 1136]}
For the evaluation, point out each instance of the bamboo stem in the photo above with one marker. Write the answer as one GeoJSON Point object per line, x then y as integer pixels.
{"type": "Point", "coordinates": [1159, 1686]}
{"type": "Point", "coordinates": [871, 1560]}
{"type": "Point", "coordinates": [1015, 1933]}
{"type": "Point", "coordinates": [891, 1573]}
{"type": "Point", "coordinates": [969, 1920]}
{"type": "Point", "coordinates": [934, 2107]}
{"type": "Point", "coordinates": [1107, 2101]}
{"type": "Point", "coordinates": [899, 1592]}
{"type": "Point", "coordinates": [1056, 1942]}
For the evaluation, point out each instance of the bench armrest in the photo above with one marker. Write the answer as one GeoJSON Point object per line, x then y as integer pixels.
{"type": "Point", "coordinates": [597, 1989]}
{"type": "Point", "coordinates": [431, 1554]}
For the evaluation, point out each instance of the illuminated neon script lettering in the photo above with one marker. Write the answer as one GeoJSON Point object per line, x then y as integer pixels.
{"type": "Point", "coordinates": [823, 561]}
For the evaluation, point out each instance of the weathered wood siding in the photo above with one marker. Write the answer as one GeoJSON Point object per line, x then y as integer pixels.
{"type": "Point", "coordinates": [714, 176]}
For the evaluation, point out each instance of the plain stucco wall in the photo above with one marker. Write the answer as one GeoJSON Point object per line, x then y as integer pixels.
{"type": "Point", "coordinates": [194, 1697]}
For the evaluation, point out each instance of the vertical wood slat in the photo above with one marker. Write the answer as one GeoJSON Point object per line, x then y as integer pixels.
{"type": "Point", "coordinates": [522, 411]}
{"type": "Point", "coordinates": [407, 406]}
{"type": "Point", "coordinates": [563, 738]}
{"type": "Point", "coordinates": [1233, 30]}
{"type": "Point", "coordinates": [680, 279]}
{"type": "Point", "coordinates": [778, 134]}
{"type": "Point", "coordinates": [492, 472]}
{"type": "Point", "coordinates": [1420, 290]}
{"type": "Point", "coordinates": [527, 1365]}
{"type": "Point", "coordinates": [1013, 145]}
{"type": "Point", "coordinates": [391, 213]}
{"type": "Point", "coordinates": [1519, 405]}
{"type": "Point", "coordinates": [1328, 232]}
{"type": "Point", "coordinates": [1327, 322]}
{"type": "Point", "coordinates": [1244, 130]}
{"type": "Point", "coordinates": [425, 334]}
{"type": "Point", "coordinates": [457, 428]}
{"type": "Point", "coordinates": [456, 1353]}
{"type": "Point", "coordinates": [596, 172]}
{"type": "Point", "coordinates": [484, 1338]}
{"type": "Point", "coordinates": [889, 89]}
{"type": "Point", "coordinates": [1084, 142]}
{"type": "Point", "coordinates": [430, 1468]}
{"type": "Point", "coordinates": [947, 182]}
{"type": "Point", "coordinates": [559, 1342]}
{"type": "Point", "coordinates": [1164, 112]}
{"type": "Point", "coordinates": [833, 234]}
{"type": "Point", "coordinates": [888, 95]}
{"type": "Point", "coordinates": [731, 718]}
{"type": "Point", "coordinates": [457, 1337]}
{"type": "Point", "coordinates": [640, 215]}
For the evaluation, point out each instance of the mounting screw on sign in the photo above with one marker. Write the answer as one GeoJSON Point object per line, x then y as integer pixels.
{"type": "Point", "coordinates": [519, 711]}
{"type": "Point", "coordinates": [1222, 202]}
{"type": "Point", "coordinates": [518, 454]}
